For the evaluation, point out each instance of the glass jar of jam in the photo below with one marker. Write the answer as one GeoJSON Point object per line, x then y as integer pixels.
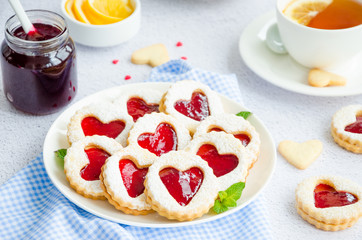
{"type": "Point", "coordinates": [39, 69]}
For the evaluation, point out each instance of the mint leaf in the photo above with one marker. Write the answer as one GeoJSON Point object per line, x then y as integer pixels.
{"type": "Point", "coordinates": [222, 195]}
{"type": "Point", "coordinates": [61, 153]}
{"type": "Point", "coordinates": [228, 197]}
{"type": "Point", "coordinates": [235, 190]}
{"type": "Point", "coordinates": [244, 114]}
{"type": "Point", "coordinates": [218, 207]}
{"type": "Point", "coordinates": [229, 202]}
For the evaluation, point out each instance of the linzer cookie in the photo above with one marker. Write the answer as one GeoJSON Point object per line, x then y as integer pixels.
{"type": "Point", "coordinates": [140, 102]}
{"type": "Point", "coordinates": [237, 126]}
{"type": "Point", "coordinates": [102, 119]}
{"type": "Point", "coordinates": [330, 203]}
{"type": "Point", "coordinates": [224, 154]}
{"type": "Point", "coordinates": [123, 178]}
{"type": "Point", "coordinates": [180, 185]}
{"type": "Point", "coordinates": [347, 128]}
{"type": "Point", "coordinates": [159, 134]}
{"type": "Point", "coordinates": [83, 163]}
{"type": "Point", "coordinates": [191, 102]}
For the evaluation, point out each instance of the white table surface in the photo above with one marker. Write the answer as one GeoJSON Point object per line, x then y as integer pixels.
{"type": "Point", "coordinates": [210, 31]}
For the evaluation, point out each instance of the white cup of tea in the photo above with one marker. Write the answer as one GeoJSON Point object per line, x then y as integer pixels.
{"type": "Point", "coordinates": [313, 47]}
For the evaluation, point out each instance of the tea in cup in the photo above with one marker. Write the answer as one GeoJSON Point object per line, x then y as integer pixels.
{"type": "Point", "coordinates": [319, 33]}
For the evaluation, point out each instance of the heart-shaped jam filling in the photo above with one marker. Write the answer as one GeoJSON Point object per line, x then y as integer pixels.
{"type": "Point", "coordinates": [326, 196]}
{"type": "Point", "coordinates": [162, 141]}
{"type": "Point", "coordinates": [182, 186]}
{"type": "Point", "coordinates": [244, 138]}
{"type": "Point", "coordinates": [92, 126]}
{"type": "Point", "coordinates": [220, 164]}
{"type": "Point", "coordinates": [96, 157]}
{"type": "Point", "coordinates": [197, 108]}
{"type": "Point", "coordinates": [355, 127]}
{"type": "Point", "coordinates": [137, 108]}
{"type": "Point", "coordinates": [133, 177]}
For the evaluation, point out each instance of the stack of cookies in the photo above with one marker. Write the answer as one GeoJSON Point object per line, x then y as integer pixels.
{"type": "Point", "coordinates": [170, 152]}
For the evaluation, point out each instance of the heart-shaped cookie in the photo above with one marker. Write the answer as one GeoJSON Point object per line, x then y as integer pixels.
{"type": "Point", "coordinates": [163, 140]}
{"type": "Point", "coordinates": [123, 177]}
{"type": "Point", "coordinates": [153, 55]}
{"type": "Point", "coordinates": [137, 108]}
{"type": "Point", "coordinates": [159, 133]}
{"type": "Point", "coordinates": [191, 102]}
{"type": "Point", "coordinates": [83, 162]}
{"type": "Point", "coordinates": [300, 155]}
{"type": "Point", "coordinates": [330, 203]}
{"type": "Point", "coordinates": [197, 108]}
{"type": "Point", "coordinates": [224, 154]}
{"type": "Point", "coordinates": [101, 118]}
{"type": "Point", "coordinates": [180, 185]}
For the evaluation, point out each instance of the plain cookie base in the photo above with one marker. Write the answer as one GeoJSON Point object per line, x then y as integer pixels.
{"type": "Point", "coordinates": [117, 205]}
{"type": "Point", "coordinates": [346, 142]}
{"type": "Point", "coordinates": [322, 225]}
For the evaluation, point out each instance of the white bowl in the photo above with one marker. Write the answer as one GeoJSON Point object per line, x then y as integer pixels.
{"type": "Point", "coordinates": [104, 35]}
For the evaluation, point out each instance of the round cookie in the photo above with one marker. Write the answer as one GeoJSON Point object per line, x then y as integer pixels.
{"type": "Point", "coordinates": [330, 203]}
{"type": "Point", "coordinates": [101, 118]}
{"type": "Point", "coordinates": [347, 128]}
{"type": "Point", "coordinates": [123, 177]}
{"type": "Point", "coordinates": [83, 162]}
{"type": "Point", "coordinates": [191, 102]}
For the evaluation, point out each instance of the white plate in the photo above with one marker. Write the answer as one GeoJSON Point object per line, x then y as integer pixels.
{"type": "Point", "coordinates": [283, 71]}
{"type": "Point", "coordinates": [56, 139]}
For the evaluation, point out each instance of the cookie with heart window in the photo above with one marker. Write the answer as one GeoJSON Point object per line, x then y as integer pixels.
{"type": "Point", "coordinates": [159, 134]}
{"type": "Point", "coordinates": [102, 119]}
{"type": "Point", "coordinates": [123, 178]}
{"type": "Point", "coordinates": [191, 102]}
{"type": "Point", "coordinates": [180, 185]}
{"type": "Point", "coordinates": [83, 163]}
{"type": "Point", "coordinates": [240, 128]}
{"type": "Point", "coordinates": [330, 203]}
{"type": "Point", "coordinates": [224, 154]}
{"type": "Point", "coordinates": [139, 102]}
{"type": "Point", "coordinates": [347, 128]}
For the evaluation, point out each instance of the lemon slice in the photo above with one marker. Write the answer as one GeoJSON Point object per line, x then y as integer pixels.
{"type": "Point", "coordinates": [69, 8]}
{"type": "Point", "coordinates": [78, 11]}
{"type": "Point", "coordinates": [302, 11]}
{"type": "Point", "coordinates": [97, 17]}
{"type": "Point", "coordinates": [112, 8]}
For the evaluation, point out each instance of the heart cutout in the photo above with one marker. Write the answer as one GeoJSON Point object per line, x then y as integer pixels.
{"type": "Point", "coordinates": [355, 127]}
{"type": "Point", "coordinates": [244, 138]}
{"type": "Point", "coordinates": [133, 177]}
{"type": "Point", "coordinates": [220, 164]}
{"type": "Point", "coordinates": [197, 108]}
{"type": "Point", "coordinates": [137, 108]}
{"type": "Point", "coordinates": [326, 196]}
{"type": "Point", "coordinates": [92, 126]}
{"type": "Point", "coordinates": [97, 158]}
{"type": "Point", "coordinates": [162, 141]}
{"type": "Point", "coordinates": [182, 185]}
{"type": "Point", "coordinates": [300, 155]}
{"type": "Point", "coordinates": [153, 55]}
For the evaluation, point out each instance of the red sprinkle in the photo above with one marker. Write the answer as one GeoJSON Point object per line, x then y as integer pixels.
{"type": "Point", "coordinates": [115, 61]}
{"type": "Point", "coordinates": [73, 89]}
{"type": "Point", "coordinates": [184, 58]}
{"type": "Point", "coordinates": [179, 44]}
{"type": "Point", "coordinates": [127, 77]}
{"type": "Point", "coordinates": [69, 98]}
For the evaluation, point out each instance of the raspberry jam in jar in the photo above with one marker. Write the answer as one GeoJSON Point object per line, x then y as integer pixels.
{"type": "Point", "coordinates": [39, 69]}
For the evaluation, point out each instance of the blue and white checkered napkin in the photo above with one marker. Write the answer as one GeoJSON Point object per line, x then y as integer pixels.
{"type": "Point", "coordinates": [32, 208]}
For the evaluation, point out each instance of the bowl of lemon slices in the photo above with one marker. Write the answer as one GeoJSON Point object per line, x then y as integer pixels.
{"type": "Point", "coordinates": [102, 23]}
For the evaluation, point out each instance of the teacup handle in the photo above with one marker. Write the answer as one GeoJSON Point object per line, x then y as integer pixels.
{"type": "Point", "coordinates": [274, 41]}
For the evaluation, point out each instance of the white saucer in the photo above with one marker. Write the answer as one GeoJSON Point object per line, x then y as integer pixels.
{"type": "Point", "coordinates": [283, 71]}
